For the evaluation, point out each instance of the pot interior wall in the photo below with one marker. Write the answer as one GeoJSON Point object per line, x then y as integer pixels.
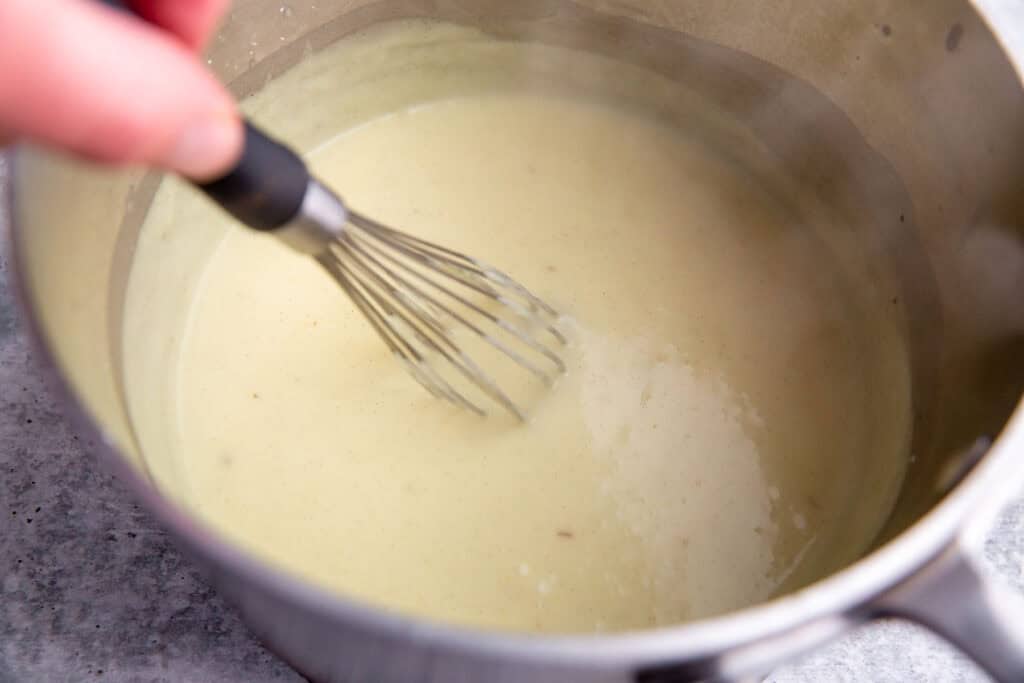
{"type": "Point", "coordinates": [904, 118]}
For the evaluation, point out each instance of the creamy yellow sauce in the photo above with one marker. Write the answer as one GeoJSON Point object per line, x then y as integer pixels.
{"type": "Point", "coordinates": [733, 424]}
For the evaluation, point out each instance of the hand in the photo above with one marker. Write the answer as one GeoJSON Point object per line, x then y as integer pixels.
{"type": "Point", "coordinates": [78, 75]}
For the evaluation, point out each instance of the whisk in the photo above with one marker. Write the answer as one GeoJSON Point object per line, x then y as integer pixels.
{"type": "Point", "coordinates": [421, 298]}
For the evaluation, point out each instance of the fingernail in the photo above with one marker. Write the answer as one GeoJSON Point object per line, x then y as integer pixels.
{"type": "Point", "coordinates": [207, 147]}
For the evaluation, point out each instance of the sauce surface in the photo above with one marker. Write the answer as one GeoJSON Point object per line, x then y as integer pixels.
{"type": "Point", "coordinates": [734, 422]}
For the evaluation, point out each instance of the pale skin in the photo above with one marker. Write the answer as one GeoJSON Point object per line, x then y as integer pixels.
{"type": "Point", "coordinates": [79, 76]}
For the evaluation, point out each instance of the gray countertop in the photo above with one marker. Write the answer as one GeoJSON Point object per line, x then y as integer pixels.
{"type": "Point", "coordinates": [93, 589]}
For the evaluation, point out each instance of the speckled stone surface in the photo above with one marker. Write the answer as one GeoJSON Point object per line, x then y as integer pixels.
{"type": "Point", "coordinates": [91, 589]}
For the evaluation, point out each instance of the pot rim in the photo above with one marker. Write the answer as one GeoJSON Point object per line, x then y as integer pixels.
{"type": "Point", "coordinates": [846, 595]}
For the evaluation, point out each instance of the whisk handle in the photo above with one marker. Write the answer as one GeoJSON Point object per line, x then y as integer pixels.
{"type": "Point", "coordinates": [266, 188]}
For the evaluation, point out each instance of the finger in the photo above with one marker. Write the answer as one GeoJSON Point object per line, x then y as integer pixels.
{"type": "Point", "coordinates": [193, 21]}
{"type": "Point", "coordinates": [82, 76]}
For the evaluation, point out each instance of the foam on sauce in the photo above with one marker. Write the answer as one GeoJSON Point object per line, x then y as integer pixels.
{"type": "Point", "coordinates": [735, 418]}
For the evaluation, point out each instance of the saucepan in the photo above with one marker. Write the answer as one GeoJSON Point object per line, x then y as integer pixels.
{"type": "Point", "coordinates": [923, 97]}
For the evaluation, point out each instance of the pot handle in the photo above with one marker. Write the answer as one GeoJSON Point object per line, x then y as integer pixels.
{"type": "Point", "coordinates": [979, 614]}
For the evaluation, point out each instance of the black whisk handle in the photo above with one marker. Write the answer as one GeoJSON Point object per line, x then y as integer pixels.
{"type": "Point", "coordinates": [266, 187]}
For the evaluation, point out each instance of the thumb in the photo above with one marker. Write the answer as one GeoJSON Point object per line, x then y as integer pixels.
{"type": "Point", "coordinates": [80, 76]}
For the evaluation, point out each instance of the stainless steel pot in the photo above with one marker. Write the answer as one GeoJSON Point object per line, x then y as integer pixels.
{"type": "Point", "coordinates": [857, 97]}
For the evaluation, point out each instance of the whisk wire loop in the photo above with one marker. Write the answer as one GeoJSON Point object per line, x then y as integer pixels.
{"type": "Point", "coordinates": [422, 299]}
